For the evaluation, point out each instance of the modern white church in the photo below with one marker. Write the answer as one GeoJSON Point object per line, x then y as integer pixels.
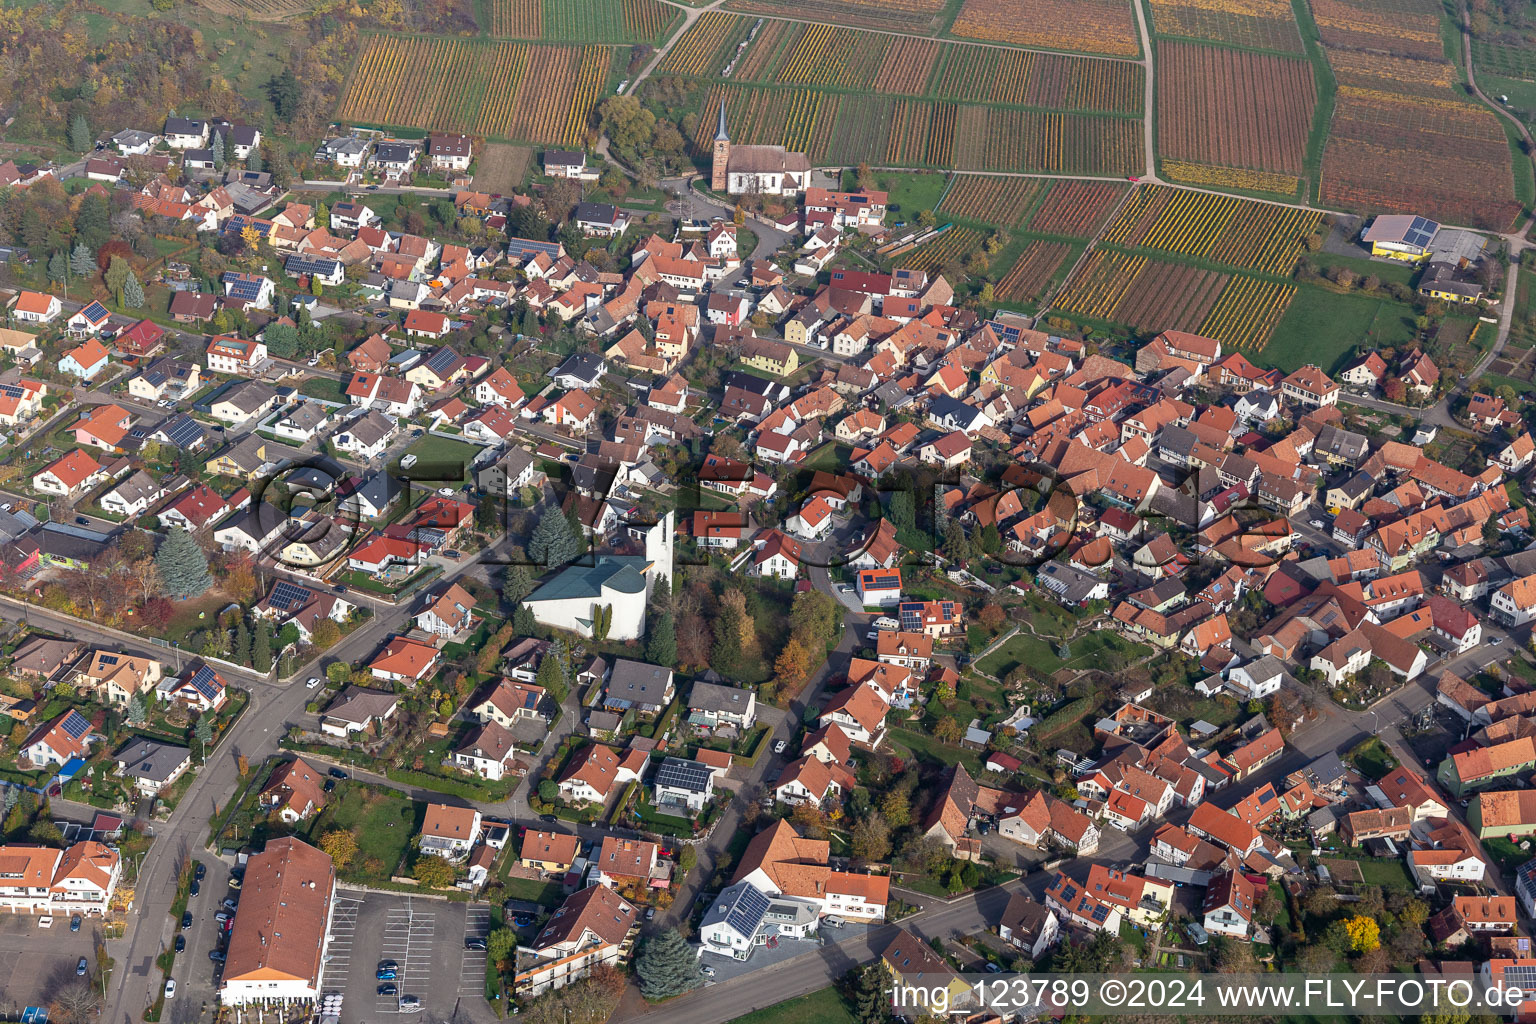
{"type": "Point", "coordinates": [623, 583]}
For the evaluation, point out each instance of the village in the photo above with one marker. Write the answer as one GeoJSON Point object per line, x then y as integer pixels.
{"type": "Point", "coordinates": [687, 592]}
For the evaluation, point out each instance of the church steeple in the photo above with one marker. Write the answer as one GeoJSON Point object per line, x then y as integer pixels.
{"type": "Point", "coordinates": [719, 179]}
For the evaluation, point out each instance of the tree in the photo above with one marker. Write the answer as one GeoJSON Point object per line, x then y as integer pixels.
{"type": "Point", "coordinates": [79, 134]}
{"type": "Point", "coordinates": [138, 709]}
{"type": "Point", "coordinates": [523, 621]}
{"type": "Point", "coordinates": [433, 872]}
{"type": "Point", "coordinates": [47, 833]}
{"type": "Point", "coordinates": [216, 147]}
{"type": "Point", "coordinates": [667, 966]}
{"type": "Point", "coordinates": [203, 731]}
{"type": "Point", "coordinates": [1364, 933]}
{"type": "Point", "coordinates": [903, 513]}
{"type": "Point", "coordinates": [118, 272]}
{"type": "Point", "coordinates": [133, 292]}
{"type": "Point", "coordinates": [261, 649]}
{"type": "Point", "coordinates": [792, 664]}
{"type": "Point", "coordinates": [340, 845]}
{"type": "Point", "coordinates": [871, 837]}
{"type": "Point", "coordinates": [896, 808]}
{"type": "Point", "coordinates": [182, 565]}
{"type": "Point", "coordinates": [1320, 901]}
{"type": "Point", "coordinates": [326, 635]}
{"type": "Point", "coordinates": [82, 261]}
{"type": "Point", "coordinates": [500, 945]}
{"type": "Point", "coordinates": [282, 340]}
{"type": "Point", "coordinates": [75, 1003]}
{"type": "Point", "coordinates": [58, 268]}
{"type": "Point", "coordinates": [661, 645]}
{"type": "Point", "coordinates": [553, 542]}
{"type": "Point", "coordinates": [947, 730]}
{"type": "Point", "coordinates": [549, 790]}
{"type": "Point", "coordinates": [687, 857]}
{"type": "Point", "coordinates": [284, 91]}
{"type": "Point", "coordinates": [253, 160]}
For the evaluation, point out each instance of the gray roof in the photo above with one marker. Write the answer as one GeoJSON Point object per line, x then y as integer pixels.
{"type": "Point", "coordinates": [358, 705]}
{"type": "Point", "coordinates": [716, 698]}
{"type": "Point", "coordinates": [1345, 444]}
{"type": "Point", "coordinates": [151, 760]}
{"type": "Point", "coordinates": [139, 485]}
{"type": "Point", "coordinates": [371, 427]}
{"type": "Point", "coordinates": [623, 573]}
{"type": "Point", "coordinates": [248, 396]}
{"type": "Point", "coordinates": [582, 365]}
{"type": "Point", "coordinates": [679, 773]}
{"type": "Point", "coordinates": [638, 682]}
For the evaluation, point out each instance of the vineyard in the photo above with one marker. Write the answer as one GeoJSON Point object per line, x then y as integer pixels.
{"type": "Point", "coordinates": [1233, 108]}
{"type": "Point", "coordinates": [1032, 274]}
{"type": "Point", "coordinates": [582, 21]}
{"type": "Point", "coordinates": [1077, 209]}
{"type": "Point", "coordinates": [851, 128]}
{"type": "Point", "coordinates": [1086, 26]}
{"type": "Point", "coordinates": [1150, 295]}
{"type": "Point", "coordinates": [989, 74]}
{"type": "Point", "coordinates": [917, 16]}
{"type": "Point", "coordinates": [1256, 24]}
{"type": "Point", "coordinates": [949, 250]}
{"type": "Point", "coordinates": [1144, 294]}
{"type": "Point", "coordinates": [1004, 201]}
{"type": "Point", "coordinates": [1433, 78]}
{"type": "Point", "coordinates": [506, 90]}
{"type": "Point", "coordinates": [1222, 229]}
{"type": "Point", "coordinates": [1230, 177]}
{"type": "Point", "coordinates": [1407, 27]}
{"type": "Point", "coordinates": [260, 10]}
{"type": "Point", "coordinates": [771, 52]}
{"type": "Point", "coordinates": [1409, 154]}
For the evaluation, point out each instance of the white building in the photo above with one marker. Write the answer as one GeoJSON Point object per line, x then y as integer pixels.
{"type": "Point", "coordinates": [277, 947]}
{"type": "Point", "coordinates": [619, 584]}
{"type": "Point", "coordinates": [449, 832]}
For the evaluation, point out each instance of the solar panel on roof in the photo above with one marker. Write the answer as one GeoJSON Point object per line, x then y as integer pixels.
{"type": "Point", "coordinates": [747, 911]}
{"type": "Point", "coordinates": [680, 774]}
{"type": "Point", "coordinates": [288, 596]}
{"type": "Point", "coordinates": [75, 724]}
{"type": "Point", "coordinates": [206, 682]}
{"type": "Point", "coordinates": [109, 659]}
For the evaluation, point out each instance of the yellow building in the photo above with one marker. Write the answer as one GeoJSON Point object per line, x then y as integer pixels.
{"type": "Point", "coordinates": [553, 852]}
{"type": "Point", "coordinates": [921, 977]}
{"type": "Point", "coordinates": [773, 357]}
{"type": "Point", "coordinates": [1400, 237]}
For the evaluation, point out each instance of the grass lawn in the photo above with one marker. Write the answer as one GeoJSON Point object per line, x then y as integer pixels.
{"type": "Point", "coordinates": [824, 1006]}
{"type": "Point", "coordinates": [928, 748]}
{"type": "Point", "coordinates": [382, 821]}
{"type": "Point", "coordinates": [910, 193]}
{"type": "Point", "coordinates": [1101, 650]}
{"type": "Point", "coordinates": [1401, 273]}
{"type": "Point", "coordinates": [1389, 874]}
{"type": "Point", "coordinates": [532, 890]}
{"type": "Point", "coordinates": [1372, 757]}
{"type": "Point", "coordinates": [1508, 855]}
{"type": "Point", "coordinates": [323, 388]}
{"type": "Point", "coordinates": [437, 458]}
{"type": "Point", "coordinates": [1324, 327]}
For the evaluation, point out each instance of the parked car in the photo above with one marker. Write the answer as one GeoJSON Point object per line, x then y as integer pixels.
{"type": "Point", "coordinates": [186, 919]}
{"type": "Point", "coordinates": [992, 968]}
{"type": "Point", "coordinates": [74, 923]}
{"type": "Point", "coordinates": [707, 971]}
{"type": "Point", "coordinates": [223, 916]}
{"type": "Point", "coordinates": [82, 521]}
{"type": "Point", "coordinates": [81, 968]}
{"type": "Point", "coordinates": [410, 1004]}
{"type": "Point", "coordinates": [778, 748]}
{"type": "Point", "coordinates": [216, 956]}
{"type": "Point", "coordinates": [234, 883]}
{"type": "Point", "coordinates": [314, 681]}
{"type": "Point", "coordinates": [170, 988]}
{"type": "Point", "coordinates": [388, 990]}
{"type": "Point", "coordinates": [650, 913]}
{"type": "Point", "coordinates": [549, 818]}
{"type": "Point", "coordinates": [197, 887]}
{"type": "Point", "coordinates": [181, 943]}
{"type": "Point", "coordinates": [201, 872]}
{"type": "Point", "coordinates": [330, 784]}
{"type": "Point", "coordinates": [337, 773]}
{"type": "Point", "coordinates": [385, 974]}
{"type": "Point", "coordinates": [477, 945]}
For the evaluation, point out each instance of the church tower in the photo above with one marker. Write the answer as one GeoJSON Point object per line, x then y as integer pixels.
{"type": "Point", "coordinates": [718, 180]}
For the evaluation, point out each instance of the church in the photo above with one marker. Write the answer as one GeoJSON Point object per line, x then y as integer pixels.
{"type": "Point", "coordinates": [761, 170]}
{"type": "Point", "coordinates": [621, 584]}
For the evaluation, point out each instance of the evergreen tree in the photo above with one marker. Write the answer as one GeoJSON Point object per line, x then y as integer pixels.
{"type": "Point", "coordinates": [864, 987]}
{"type": "Point", "coordinates": [523, 623]}
{"type": "Point", "coordinates": [242, 649]}
{"type": "Point", "coordinates": [253, 162]}
{"type": "Point", "coordinates": [58, 267]}
{"type": "Point", "coordinates": [261, 650]}
{"type": "Point", "coordinates": [118, 272]}
{"type": "Point", "coordinates": [138, 709]}
{"type": "Point", "coordinates": [661, 647]}
{"type": "Point", "coordinates": [725, 658]}
{"type": "Point", "coordinates": [553, 542]}
{"type": "Point", "coordinates": [79, 134]}
{"type": "Point", "coordinates": [133, 292]}
{"type": "Point", "coordinates": [183, 566]}
{"type": "Point", "coordinates": [667, 966]}
{"type": "Point", "coordinates": [216, 147]}
{"type": "Point", "coordinates": [530, 324]}
{"type": "Point", "coordinates": [550, 677]}
{"type": "Point", "coordinates": [517, 583]}
{"type": "Point", "coordinates": [203, 731]}
{"type": "Point", "coordinates": [82, 261]}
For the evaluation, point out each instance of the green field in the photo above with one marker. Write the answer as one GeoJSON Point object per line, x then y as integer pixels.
{"type": "Point", "coordinates": [1324, 327]}
{"type": "Point", "coordinates": [439, 453]}
{"type": "Point", "coordinates": [824, 1006]}
{"type": "Point", "coordinates": [384, 826]}
{"type": "Point", "coordinates": [1096, 650]}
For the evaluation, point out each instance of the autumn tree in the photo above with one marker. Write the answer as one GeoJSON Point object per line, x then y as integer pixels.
{"type": "Point", "coordinates": [326, 635]}
{"type": "Point", "coordinates": [947, 729]}
{"type": "Point", "coordinates": [791, 665]}
{"type": "Point", "coordinates": [871, 839]}
{"type": "Point", "coordinates": [1364, 933]}
{"type": "Point", "coordinates": [433, 872]}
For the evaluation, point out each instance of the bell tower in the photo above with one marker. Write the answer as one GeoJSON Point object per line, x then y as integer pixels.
{"type": "Point", "coordinates": [718, 180]}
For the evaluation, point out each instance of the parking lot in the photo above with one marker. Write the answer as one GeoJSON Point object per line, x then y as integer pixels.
{"type": "Point", "coordinates": [196, 975]}
{"type": "Point", "coordinates": [35, 963]}
{"type": "Point", "coordinates": [424, 937]}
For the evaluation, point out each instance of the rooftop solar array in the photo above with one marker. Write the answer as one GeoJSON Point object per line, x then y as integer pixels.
{"type": "Point", "coordinates": [880, 580]}
{"type": "Point", "coordinates": [1420, 232]}
{"type": "Point", "coordinates": [677, 773]}
{"type": "Point", "coordinates": [206, 682]}
{"type": "Point", "coordinates": [746, 911]}
{"type": "Point", "coordinates": [288, 596]}
{"type": "Point", "coordinates": [75, 725]}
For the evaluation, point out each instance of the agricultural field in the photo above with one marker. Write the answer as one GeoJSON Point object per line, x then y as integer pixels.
{"type": "Point", "coordinates": [919, 133]}
{"type": "Point", "coordinates": [1144, 294]}
{"type": "Point", "coordinates": [1411, 154]}
{"type": "Point", "coordinates": [771, 52]}
{"type": "Point", "coordinates": [1033, 272]}
{"type": "Point", "coordinates": [1234, 108]}
{"type": "Point", "coordinates": [921, 17]}
{"type": "Point", "coordinates": [1410, 28]}
{"type": "Point", "coordinates": [502, 167]}
{"type": "Point", "coordinates": [1253, 24]}
{"type": "Point", "coordinates": [503, 90]}
{"type": "Point", "coordinates": [1004, 201]}
{"type": "Point", "coordinates": [990, 74]}
{"type": "Point", "coordinates": [582, 21]}
{"type": "Point", "coordinates": [1153, 295]}
{"type": "Point", "coordinates": [1077, 209]}
{"type": "Point", "coordinates": [1413, 75]}
{"type": "Point", "coordinates": [1236, 232]}
{"type": "Point", "coordinates": [1084, 26]}
{"type": "Point", "coordinates": [260, 10]}
{"type": "Point", "coordinates": [1508, 53]}
{"type": "Point", "coordinates": [948, 248]}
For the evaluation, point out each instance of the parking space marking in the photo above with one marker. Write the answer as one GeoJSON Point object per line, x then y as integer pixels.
{"type": "Point", "coordinates": [339, 950]}
{"type": "Point", "coordinates": [407, 929]}
{"type": "Point", "coordinates": [477, 925]}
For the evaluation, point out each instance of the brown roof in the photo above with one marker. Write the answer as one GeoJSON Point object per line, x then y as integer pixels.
{"type": "Point", "coordinates": [629, 858]}
{"type": "Point", "coordinates": [596, 767]}
{"type": "Point", "coordinates": [449, 822]}
{"type": "Point", "coordinates": [285, 903]}
{"type": "Point", "coordinates": [295, 785]}
{"type": "Point", "coordinates": [597, 909]}
{"type": "Point", "coordinates": [796, 865]}
{"type": "Point", "coordinates": [555, 847]}
{"type": "Point", "coordinates": [953, 809]}
{"type": "Point", "coordinates": [1507, 808]}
